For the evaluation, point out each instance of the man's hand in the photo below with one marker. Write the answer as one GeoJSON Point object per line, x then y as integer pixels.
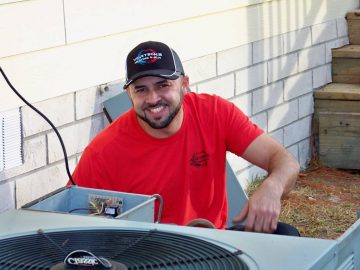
{"type": "Point", "coordinates": [262, 210]}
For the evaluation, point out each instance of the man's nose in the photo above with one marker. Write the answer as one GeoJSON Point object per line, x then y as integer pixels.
{"type": "Point", "coordinates": [152, 97]}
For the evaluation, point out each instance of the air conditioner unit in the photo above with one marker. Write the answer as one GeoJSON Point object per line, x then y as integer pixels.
{"type": "Point", "coordinates": [80, 201]}
{"type": "Point", "coordinates": [31, 239]}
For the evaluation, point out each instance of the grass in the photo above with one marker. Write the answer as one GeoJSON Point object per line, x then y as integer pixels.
{"type": "Point", "coordinates": [315, 208]}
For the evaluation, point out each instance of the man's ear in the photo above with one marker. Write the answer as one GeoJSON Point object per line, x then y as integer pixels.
{"type": "Point", "coordinates": [128, 92]}
{"type": "Point", "coordinates": [185, 84]}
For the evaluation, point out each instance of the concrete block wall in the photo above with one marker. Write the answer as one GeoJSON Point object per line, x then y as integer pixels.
{"type": "Point", "coordinates": [78, 116]}
{"type": "Point", "coordinates": [273, 83]}
{"type": "Point", "coordinates": [271, 80]}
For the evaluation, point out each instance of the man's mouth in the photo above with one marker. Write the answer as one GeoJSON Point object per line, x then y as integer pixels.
{"type": "Point", "coordinates": [156, 109]}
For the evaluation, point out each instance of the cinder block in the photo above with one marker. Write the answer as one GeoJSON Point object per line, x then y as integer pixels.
{"type": "Point", "coordinates": [324, 32]}
{"type": "Point", "coordinates": [322, 76]}
{"type": "Point", "coordinates": [334, 44]}
{"type": "Point", "coordinates": [328, 46]}
{"type": "Point", "coordinates": [306, 105]}
{"type": "Point", "coordinates": [282, 67]}
{"type": "Point", "coordinates": [105, 120]}
{"type": "Point", "coordinates": [294, 151]}
{"type": "Point", "coordinates": [34, 158]}
{"type": "Point", "coordinates": [90, 101]}
{"type": "Point", "coordinates": [304, 153]}
{"type": "Point", "coordinates": [7, 195]}
{"type": "Point", "coordinates": [194, 88]}
{"type": "Point", "coordinates": [234, 59]}
{"type": "Point", "coordinates": [60, 111]}
{"type": "Point", "coordinates": [297, 40]}
{"type": "Point", "coordinates": [244, 103]}
{"type": "Point", "coordinates": [236, 163]}
{"type": "Point", "coordinates": [342, 27]}
{"type": "Point", "coordinates": [278, 135]}
{"type": "Point", "coordinates": [201, 69]}
{"type": "Point", "coordinates": [312, 57]}
{"type": "Point", "coordinates": [267, 97]}
{"type": "Point", "coordinates": [31, 25]}
{"type": "Point", "coordinates": [267, 48]}
{"type": "Point", "coordinates": [40, 183]}
{"type": "Point", "coordinates": [250, 78]}
{"type": "Point", "coordinates": [222, 86]}
{"type": "Point", "coordinates": [298, 131]}
{"type": "Point", "coordinates": [343, 41]}
{"type": "Point", "coordinates": [282, 115]}
{"type": "Point", "coordinates": [260, 120]}
{"type": "Point", "coordinates": [76, 137]}
{"type": "Point", "coordinates": [298, 85]}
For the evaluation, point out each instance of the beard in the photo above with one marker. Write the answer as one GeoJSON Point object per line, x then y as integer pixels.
{"type": "Point", "coordinates": [156, 123]}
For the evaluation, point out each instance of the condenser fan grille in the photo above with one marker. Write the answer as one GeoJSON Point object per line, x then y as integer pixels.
{"type": "Point", "coordinates": [135, 249]}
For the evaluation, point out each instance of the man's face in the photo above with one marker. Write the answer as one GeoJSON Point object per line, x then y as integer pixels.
{"type": "Point", "coordinates": [157, 101]}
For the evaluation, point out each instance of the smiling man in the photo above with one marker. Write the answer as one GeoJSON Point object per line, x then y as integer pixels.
{"type": "Point", "coordinates": [173, 142]}
{"type": "Point", "coordinates": [158, 104]}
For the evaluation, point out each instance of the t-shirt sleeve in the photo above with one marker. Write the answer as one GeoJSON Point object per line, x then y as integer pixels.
{"type": "Point", "coordinates": [240, 132]}
{"type": "Point", "coordinates": [90, 171]}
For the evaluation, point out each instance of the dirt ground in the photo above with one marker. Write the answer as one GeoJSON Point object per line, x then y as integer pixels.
{"type": "Point", "coordinates": [324, 203]}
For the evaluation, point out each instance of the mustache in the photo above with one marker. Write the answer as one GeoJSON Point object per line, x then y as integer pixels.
{"type": "Point", "coordinates": [157, 104]}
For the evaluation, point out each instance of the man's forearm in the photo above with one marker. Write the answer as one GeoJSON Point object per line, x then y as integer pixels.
{"type": "Point", "coordinates": [283, 170]}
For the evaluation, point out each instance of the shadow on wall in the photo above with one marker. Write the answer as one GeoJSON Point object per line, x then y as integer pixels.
{"type": "Point", "coordinates": [287, 100]}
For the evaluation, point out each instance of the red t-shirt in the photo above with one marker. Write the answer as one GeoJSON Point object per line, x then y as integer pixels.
{"type": "Point", "coordinates": [187, 169]}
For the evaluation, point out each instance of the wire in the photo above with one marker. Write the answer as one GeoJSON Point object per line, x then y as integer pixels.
{"type": "Point", "coordinates": [47, 120]}
{"type": "Point", "coordinates": [95, 207]}
{"type": "Point", "coordinates": [81, 209]}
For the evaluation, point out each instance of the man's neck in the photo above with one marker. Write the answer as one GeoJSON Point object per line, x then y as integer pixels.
{"type": "Point", "coordinates": [162, 133]}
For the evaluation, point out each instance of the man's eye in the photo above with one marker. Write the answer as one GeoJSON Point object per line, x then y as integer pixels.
{"type": "Point", "coordinates": [139, 90]}
{"type": "Point", "coordinates": [163, 85]}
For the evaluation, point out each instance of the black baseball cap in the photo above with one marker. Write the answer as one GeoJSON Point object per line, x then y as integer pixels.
{"type": "Point", "coordinates": [152, 58]}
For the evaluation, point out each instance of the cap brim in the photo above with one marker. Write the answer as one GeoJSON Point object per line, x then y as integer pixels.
{"type": "Point", "coordinates": [162, 73]}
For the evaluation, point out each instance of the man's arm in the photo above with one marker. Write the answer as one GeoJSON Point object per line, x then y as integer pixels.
{"type": "Point", "coordinates": [263, 208]}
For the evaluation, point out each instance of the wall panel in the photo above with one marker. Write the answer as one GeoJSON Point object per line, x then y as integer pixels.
{"type": "Point", "coordinates": [31, 25]}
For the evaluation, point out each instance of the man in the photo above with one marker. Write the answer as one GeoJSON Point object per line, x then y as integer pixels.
{"type": "Point", "coordinates": [174, 142]}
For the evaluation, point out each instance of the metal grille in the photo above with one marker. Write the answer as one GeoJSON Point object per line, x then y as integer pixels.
{"type": "Point", "coordinates": [348, 264]}
{"type": "Point", "coordinates": [135, 249]}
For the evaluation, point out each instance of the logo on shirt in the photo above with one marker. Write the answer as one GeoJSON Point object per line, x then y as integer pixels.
{"type": "Point", "coordinates": [199, 159]}
{"type": "Point", "coordinates": [147, 56]}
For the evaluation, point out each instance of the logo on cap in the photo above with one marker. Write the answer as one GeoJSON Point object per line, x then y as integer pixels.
{"type": "Point", "coordinates": [147, 56]}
